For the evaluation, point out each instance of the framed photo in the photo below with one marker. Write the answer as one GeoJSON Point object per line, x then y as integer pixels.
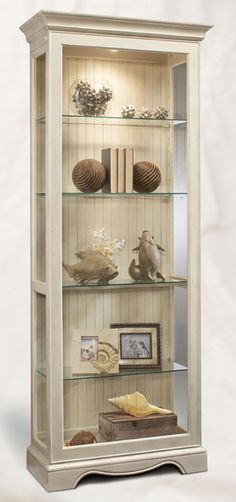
{"type": "Point", "coordinates": [140, 345]}
{"type": "Point", "coordinates": [95, 351]}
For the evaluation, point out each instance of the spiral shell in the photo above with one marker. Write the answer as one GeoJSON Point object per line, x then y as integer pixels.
{"type": "Point", "coordinates": [146, 176]}
{"type": "Point", "coordinates": [107, 357]}
{"type": "Point", "coordinates": [89, 175]}
{"type": "Point", "coordinates": [137, 405]}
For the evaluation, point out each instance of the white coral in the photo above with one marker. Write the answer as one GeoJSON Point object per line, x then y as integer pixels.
{"type": "Point", "coordinates": [104, 245]}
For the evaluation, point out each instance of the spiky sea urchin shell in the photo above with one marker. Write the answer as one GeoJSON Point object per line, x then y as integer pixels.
{"type": "Point", "coordinates": [159, 112]}
{"type": "Point", "coordinates": [144, 113]}
{"type": "Point", "coordinates": [128, 111]}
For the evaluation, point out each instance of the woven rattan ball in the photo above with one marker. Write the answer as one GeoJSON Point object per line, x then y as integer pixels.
{"type": "Point", "coordinates": [89, 175]}
{"type": "Point", "coordinates": [146, 176]}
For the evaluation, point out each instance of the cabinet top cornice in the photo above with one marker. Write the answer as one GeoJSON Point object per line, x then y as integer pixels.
{"type": "Point", "coordinates": [62, 21]}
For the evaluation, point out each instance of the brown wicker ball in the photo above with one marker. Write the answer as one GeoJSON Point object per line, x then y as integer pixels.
{"type": "Point", "coordinates": [146, 176]}
{"type": "Point", "coordinates": [89, 175]}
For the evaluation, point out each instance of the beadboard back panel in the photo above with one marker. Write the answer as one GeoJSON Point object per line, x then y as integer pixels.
{"type": "Point", "coordinates": [123, 217]}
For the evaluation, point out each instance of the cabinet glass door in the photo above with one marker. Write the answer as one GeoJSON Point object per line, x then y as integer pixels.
{"type": "Point", "coordinates": [124, 245]}
{"type": "Point", "coordinates": [39, 429]}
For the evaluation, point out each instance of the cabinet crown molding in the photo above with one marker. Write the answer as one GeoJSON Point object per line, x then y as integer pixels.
{"type": "Point", "coordinates": [106, 25]}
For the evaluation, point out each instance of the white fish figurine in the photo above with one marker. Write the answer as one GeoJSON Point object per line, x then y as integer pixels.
{"type": "Point", "coordinates": [137, 405]}
{"type": "Point", "coordinates": [149, 259]}
{"type": "Point", "coordinates": [94, 268]}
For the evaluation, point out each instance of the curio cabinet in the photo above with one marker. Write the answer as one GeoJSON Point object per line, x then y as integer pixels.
{"type": "Point", "coordinates": [115, 239]}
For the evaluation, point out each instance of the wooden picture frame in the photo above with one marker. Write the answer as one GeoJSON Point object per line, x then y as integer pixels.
{"type": "Point", "coordinates": [139, 345]}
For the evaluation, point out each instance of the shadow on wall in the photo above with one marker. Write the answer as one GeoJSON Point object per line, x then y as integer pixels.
{"type": "Point", "coordinates": [16, 429]}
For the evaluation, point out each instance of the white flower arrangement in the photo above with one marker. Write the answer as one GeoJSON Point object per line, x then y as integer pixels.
{"type": "Point", "coordinates": [104, 245]}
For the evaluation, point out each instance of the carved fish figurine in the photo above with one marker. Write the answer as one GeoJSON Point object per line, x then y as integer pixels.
{"type": "Point", "coordinates": [149, 259]}
{"type": "Point", "coordinates": [94, 268]}
{"type": "Point", "coordinates": [137, 405]}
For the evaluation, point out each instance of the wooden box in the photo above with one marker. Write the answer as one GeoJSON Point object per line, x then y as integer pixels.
{"type": "Point", "coordinates": [118, 425]}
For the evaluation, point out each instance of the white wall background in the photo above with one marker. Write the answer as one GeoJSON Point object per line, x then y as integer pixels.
{"type": "Point", "coordinates": [218, 153]}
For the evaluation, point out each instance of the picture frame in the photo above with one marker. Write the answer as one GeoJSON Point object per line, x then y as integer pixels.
{"type": "Point", "coordinates": [139, 345]}
{"type": "Point", "coordinates": [95, 351]}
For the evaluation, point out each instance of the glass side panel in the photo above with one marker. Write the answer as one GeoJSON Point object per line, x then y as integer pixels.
{"type": "Point", "coordinates": [39, 170]}
{"type": "Point", "coordinates": [180, 346]}
{"type": "Point", "coordinates": [180, 172]}
{"type": "Point", "coordinates": [40, 384]}
{"type": "Point", "coordinates": [180, 251]}
{"type": "Point", "coordinates": [124, 250]}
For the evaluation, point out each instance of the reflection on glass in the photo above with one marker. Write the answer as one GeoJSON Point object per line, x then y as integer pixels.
{"type": "Point", "coordinates": [40, 333]}
{"type": "Point", "coordinates": [39, 244]}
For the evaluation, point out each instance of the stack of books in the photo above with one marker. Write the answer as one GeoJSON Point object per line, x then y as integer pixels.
{"type": "Point", "coordinates": [118, 163]}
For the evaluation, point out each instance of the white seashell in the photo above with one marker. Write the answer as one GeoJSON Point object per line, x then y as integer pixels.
{"type": "Point", "coordinates": [137, 405]}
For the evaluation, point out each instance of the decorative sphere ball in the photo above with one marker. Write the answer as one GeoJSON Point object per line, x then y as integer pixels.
{"type": "Point", "coordinates": [146, 176]}
{"type": "Point", "coordinates": [89, 175]}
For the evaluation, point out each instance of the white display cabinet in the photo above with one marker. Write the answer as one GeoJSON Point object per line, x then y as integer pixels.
{"type": "Point", "coordinates": [146, 64]}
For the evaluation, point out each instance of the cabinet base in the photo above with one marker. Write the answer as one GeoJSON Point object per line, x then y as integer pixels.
{"type": "Point", "coordinates": [66, 475]}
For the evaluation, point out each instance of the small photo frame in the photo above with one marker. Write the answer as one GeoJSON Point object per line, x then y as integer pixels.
{"type": "Point", "coordinates": [139, 345]}
{"type": "Point", "coordinates": [95, 351]}
{"type": "Point", "coordinates": [88, 348]}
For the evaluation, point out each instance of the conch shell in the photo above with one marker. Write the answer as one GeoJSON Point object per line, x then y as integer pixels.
{"type": "Point", "coordinates": [137, 405]}
{"type": "Point", "coordinates": [107, 357]}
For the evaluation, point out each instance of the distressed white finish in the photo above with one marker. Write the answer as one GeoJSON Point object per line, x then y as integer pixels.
{"type": "Point", "coordinates": [113, 26]}
{"type": "Point", "coordinates": [69, 223]}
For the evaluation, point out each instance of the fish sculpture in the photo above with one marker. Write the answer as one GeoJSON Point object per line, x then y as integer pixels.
{"type": "Point", "coordinates": [148, 257]}
{"type": "Point", "coordinates": [93, 268]}
{"type": "Point", "coordinates": [137, 405]}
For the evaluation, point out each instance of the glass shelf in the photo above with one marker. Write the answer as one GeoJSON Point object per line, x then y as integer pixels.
{"type": "Point", "coordinates": [167, 367]}
{"type": "Point", "coordinates": [128, 283]}
{"type": "Point", "coordinates": [117, 194]}
{"type": "Point", "coordinates": [117, 120]}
